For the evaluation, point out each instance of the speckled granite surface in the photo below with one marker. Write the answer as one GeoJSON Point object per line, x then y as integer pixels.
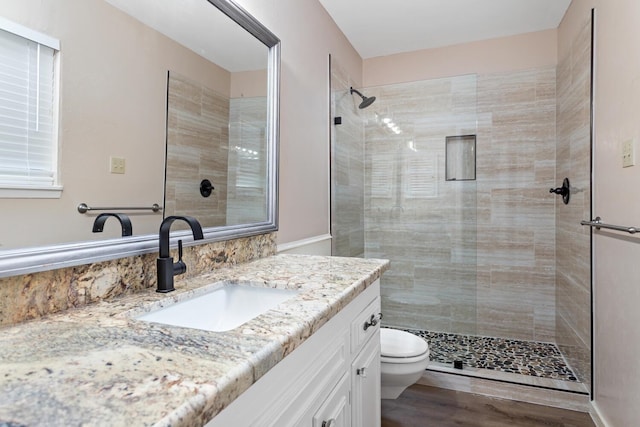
{"type": "Point", "coordinates": [35, 295]}
{"type": "Point", "coordinates": [97, 366]}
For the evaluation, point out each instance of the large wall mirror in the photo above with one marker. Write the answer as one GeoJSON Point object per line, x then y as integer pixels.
{"type": "Point", "coordinates": [160, 102]}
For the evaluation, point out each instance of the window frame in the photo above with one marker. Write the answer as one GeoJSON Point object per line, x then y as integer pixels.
{"type": "Point", "coordinates": [53, 191]}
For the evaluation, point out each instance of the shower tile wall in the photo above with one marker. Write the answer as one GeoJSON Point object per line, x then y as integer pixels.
{"type": "Point", "coordinates": [347, 169]}
{"type": "Point", "coordinates": [431, 228]}
{"type": "Point", "coordinates": [516, 213]}
{"type": "Point", "coordinates": [573, 270]}
{"type": "Point", "coordinates": [424, 224]}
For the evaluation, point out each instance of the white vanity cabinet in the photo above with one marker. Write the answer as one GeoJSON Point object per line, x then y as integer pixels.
{"type": "Point", "coordinates": [331, 380]}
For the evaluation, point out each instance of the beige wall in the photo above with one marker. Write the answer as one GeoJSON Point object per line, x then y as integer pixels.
{"type": "Point", "coordinates": [308, 36]}
{"type": "Point", "coordinates": [521, 52]}
{"type": "Point", "coordinates": [113, 103]}
{"type": "Point", "coordinates": [248, 84]}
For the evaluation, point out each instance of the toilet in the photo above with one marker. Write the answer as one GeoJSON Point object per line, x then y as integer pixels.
{"type": "Point", "coordinates": [403, 358]}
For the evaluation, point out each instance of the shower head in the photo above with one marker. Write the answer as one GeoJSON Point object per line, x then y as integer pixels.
{"type": "Point", "coordinates": [366, 101]}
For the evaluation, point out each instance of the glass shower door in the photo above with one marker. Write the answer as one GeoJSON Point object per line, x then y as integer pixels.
{"type": "Point", "coordinates": [347, 168]}
{"type": "Point", "coordinates": [424, 223]}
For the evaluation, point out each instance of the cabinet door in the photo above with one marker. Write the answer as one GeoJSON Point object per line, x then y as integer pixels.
{"type": "Point", "coordinates": [365, 385]}
{"type": "Point", "coordinates": [335, 411]}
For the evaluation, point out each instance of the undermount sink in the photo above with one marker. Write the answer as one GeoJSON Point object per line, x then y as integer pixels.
{"type": "Point", "coordinates": [226, 307]}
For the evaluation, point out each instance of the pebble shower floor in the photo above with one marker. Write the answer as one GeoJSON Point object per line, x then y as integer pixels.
{"type": "Point", "coordinates": [521, 357]}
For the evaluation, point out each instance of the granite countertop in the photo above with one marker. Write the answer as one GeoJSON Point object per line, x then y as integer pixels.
{"type": "Point", "coordinates": [98, 366]}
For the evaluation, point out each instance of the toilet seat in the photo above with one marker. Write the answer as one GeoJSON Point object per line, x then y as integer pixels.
{"type": "Point", "coordinates": [396, 344]}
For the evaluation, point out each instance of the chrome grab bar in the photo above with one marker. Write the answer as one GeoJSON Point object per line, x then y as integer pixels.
{"type": "Point", "coordinates": [597, 223]}
{"type": "Point", "coordinates": [84, 208]}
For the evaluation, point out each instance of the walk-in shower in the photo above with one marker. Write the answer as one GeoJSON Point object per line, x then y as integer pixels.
{"type": "Point", "coordinates": [449, 179]}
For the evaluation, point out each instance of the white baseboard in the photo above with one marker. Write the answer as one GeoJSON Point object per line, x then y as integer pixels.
{"type": "Point", "coordinates": [317, 245]}
{"type": "Point", "coordinates": [596, 416]}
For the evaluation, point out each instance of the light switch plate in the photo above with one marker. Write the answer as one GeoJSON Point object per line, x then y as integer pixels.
{"type": "Point", "coordinates": [116, 165]}
{"type": "Point", "coordinates": [628, 153]}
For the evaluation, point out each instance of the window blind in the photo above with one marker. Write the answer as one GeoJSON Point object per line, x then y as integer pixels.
{"type": "Point", "coordinates": [28, 145]}
{"type": "Point", "coordinates": [422, 175]}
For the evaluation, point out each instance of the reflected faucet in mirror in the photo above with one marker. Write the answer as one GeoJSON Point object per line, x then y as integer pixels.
{"type": "Point", "coordinates": [125, 223]}
{"type": "Point", "coordinates": [167, 269]}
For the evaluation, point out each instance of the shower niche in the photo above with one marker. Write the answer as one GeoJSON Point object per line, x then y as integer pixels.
{"type": "Point", "coordinates": [460, 158]}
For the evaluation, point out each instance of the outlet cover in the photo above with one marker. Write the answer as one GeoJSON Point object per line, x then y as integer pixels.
{"type": "Point", "coordinates": [116, 165]}
{"type": "Point", "coordinates": [628, 153]}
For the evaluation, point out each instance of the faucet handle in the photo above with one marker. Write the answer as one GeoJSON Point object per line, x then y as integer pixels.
{"type": "Point", "coordinates": [179, 267]}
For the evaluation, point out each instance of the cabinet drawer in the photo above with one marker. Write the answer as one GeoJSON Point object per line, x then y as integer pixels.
{"type": "Point", "coordinates": [365, 325]}
{"type": "Point", "coordinates": [320, 377]}
{"type": "Point", "coordinates": [336, 409]}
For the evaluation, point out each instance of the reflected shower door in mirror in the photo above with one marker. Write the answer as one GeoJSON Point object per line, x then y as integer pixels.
{"type": "Point", "coordinates": [112, 69]}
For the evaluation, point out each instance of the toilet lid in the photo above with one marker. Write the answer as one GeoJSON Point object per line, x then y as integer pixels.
{"type": "Point", "coordinates": [396, 343]}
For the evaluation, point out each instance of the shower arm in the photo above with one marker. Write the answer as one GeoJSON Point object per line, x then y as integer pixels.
{"type": "Point", "coordinates": [356, 91]}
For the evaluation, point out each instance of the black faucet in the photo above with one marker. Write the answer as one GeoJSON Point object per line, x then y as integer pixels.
{"type": "Point", "coordinates": [125, 222]}
{"type": "Point", "coordinates": [166, 267]}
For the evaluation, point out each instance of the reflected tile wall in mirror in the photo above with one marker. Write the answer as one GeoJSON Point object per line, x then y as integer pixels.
{"type": "Point", "coordinates": [197, 149]}
{"type": "Point", "coordinates": [210, 136]}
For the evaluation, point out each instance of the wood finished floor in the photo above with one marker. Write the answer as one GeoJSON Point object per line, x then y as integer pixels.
{"type": "Point", "coordinates": [425, 406]}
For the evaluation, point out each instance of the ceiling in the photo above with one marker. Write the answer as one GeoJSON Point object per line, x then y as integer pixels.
{"type": "Point", "coordinates": [199, 26]}
{"type": "Point", "coordinates": [383, 27]}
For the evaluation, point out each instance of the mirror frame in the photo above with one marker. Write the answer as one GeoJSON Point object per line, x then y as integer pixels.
{"type": "Point", "coordinates": [51, 257]}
